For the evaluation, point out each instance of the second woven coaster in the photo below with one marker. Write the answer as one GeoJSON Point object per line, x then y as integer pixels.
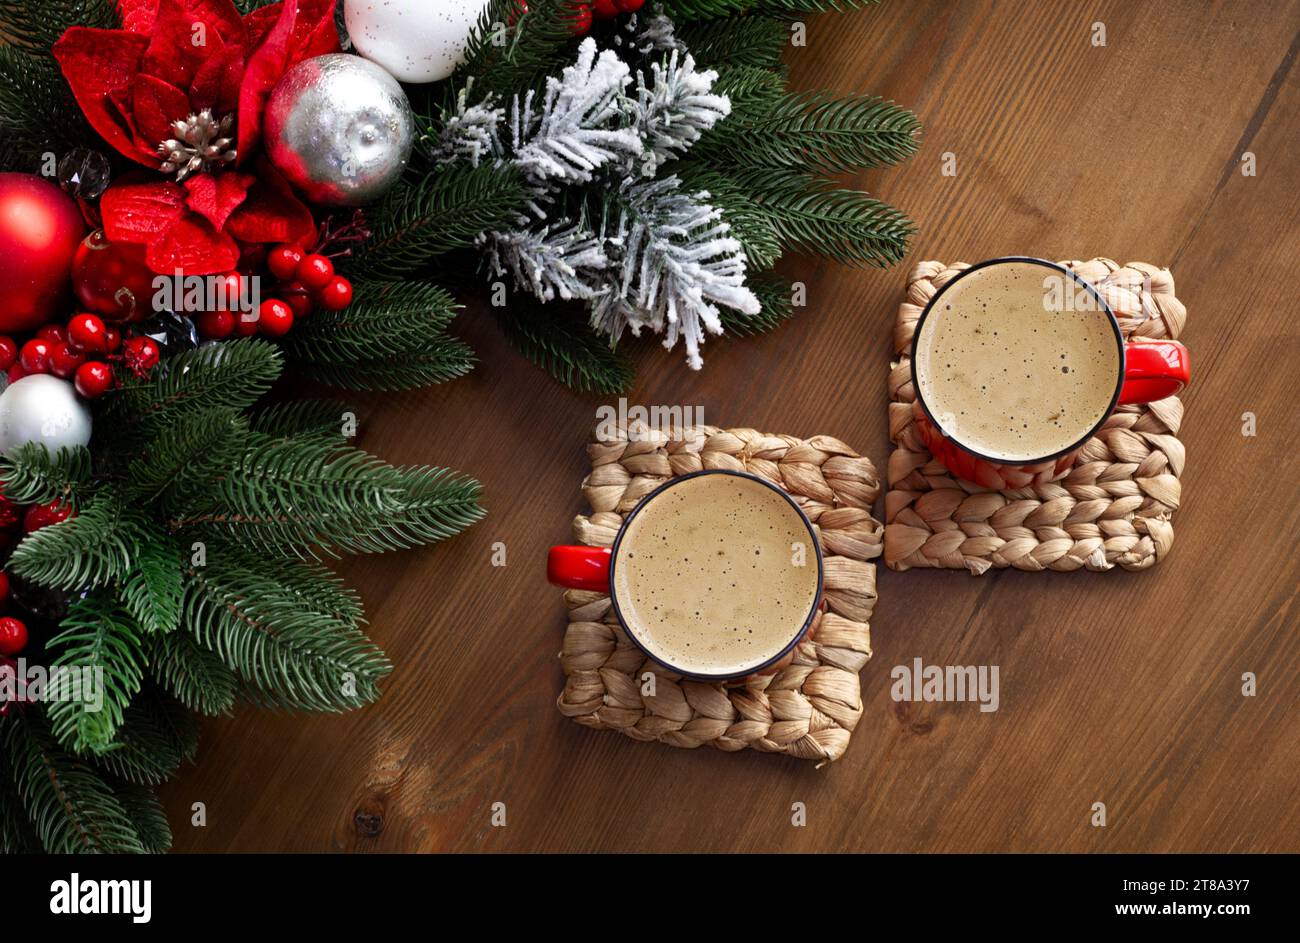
{"type": "Point", "coordinates": [806, 710]}
{"type": "Point", "coordinates": [1115, 508]}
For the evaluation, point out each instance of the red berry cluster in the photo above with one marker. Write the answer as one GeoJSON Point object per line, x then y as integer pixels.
{"type": "Point", "coordinates": [13, 631]}
{"type": "Point", "coordinates": [84, 351]}
{"type": "Point", "coordinates": [306, 280]}
{"type": "Point", "coordinates": [585, 10]}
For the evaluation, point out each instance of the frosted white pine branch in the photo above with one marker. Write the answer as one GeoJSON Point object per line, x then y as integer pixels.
{"type": "Point", "coordinates": [563, 263]}
{"type": "Point", "coordinates": [576, 129]}
{"type": "Point", "coordinates": [471, 132]}
{"type": "Point", "coordinates": [675, 105]}
{"type": "Point", "coordinates": [676, 263]}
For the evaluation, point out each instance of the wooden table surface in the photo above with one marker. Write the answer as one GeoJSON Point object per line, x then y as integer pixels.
{"type": "Point", "coordinates": [1122, 688]}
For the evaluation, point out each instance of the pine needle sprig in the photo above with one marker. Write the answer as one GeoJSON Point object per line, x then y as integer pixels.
{"type": "Point", "coordinates": [446, 210]}
{"type": "Point", "coordinates": [70, 806]}
{"type": "Point", "coordinates": [85, 551]}
{"type": "Point", "coordinates": [754, 41]}
{"type": "Point", "coordinates": [96, 636]}
{"type": "Point", "coordinates": [33, 475]}
{"type": "Point", "coordinates": [558, 339]}
{"type": "Point", "coordinates": [196, 676]}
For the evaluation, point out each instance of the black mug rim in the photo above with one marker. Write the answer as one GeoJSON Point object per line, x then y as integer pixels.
{"type": "Point", "coordinates": [807, 622]}
{"type": "Point", "coordinates": [1103, 307]}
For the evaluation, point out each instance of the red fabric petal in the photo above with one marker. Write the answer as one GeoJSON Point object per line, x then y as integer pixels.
{"type": "Point", "coordinates": [138, 15]}
{"type": "Point", "coordinates": [96, 62]}
{"type": "Point", "coordinates": [179, 46]}
{"type": "Point", "coordinates": [219, 13]}
{"type": "Point", "coordinates": [272, 213]}
{"type": "Point", "coordinates": [193, 247]}
{"type": "Point", "coordinates": [314, 30]}
{"type": "Point", "coordinates": [155, 105]}
{"type": "Point", "coordinates": [216, 84]}
{"type": "Point", "coordinates": [265, 66]}
{"type": "Point", "coordinates": [141, 212]}
{"type": "Point", "coordinates": [215, 196]}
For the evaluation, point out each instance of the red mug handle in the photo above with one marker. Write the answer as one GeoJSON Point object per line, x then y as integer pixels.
{"type": "Point", "coordinates": [579, 568]}
{"type": "Point", "coordinates": [1154, 371]}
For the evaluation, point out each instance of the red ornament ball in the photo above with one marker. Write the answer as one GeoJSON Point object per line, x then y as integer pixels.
{"type": "Point", "coordinates": [315, 272]}
{"type": "Point", "coordinates": [337, 295]}
{"type": "Point", "coordinates": [43, 515]}
{"type": "Point", "coordinates": [40, 229]}
{"type": "Point", "coordinates": [283, 260]}
{"type": "Point", "coordinates": [93, 379]}
{"type": "Point", "coordinates": [8, 352]}
{"type": "Point", "coordinates": [13, 636]}
{"type": "Point", "coordinates": [35, 356]}
{"type": "Point", "coordinates": [112, 279]}
{"type": "Point", "coordinates": [274, 318]}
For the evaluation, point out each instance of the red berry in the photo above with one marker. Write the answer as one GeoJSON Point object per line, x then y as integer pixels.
{"type": "Point", "coordinates": [216, 325]}
{"type": "Point", "coordinates": [4, 587]}
{"type": "Point", "coordinates": [604, 9]}
{"type": "Point", "coordinates": [13, 636]}
{"type": "Point", "coordinates": [43, 515]}
{"type": "Point", "coordinates": [93, 379]}
{"type": "Point", "coordinates": [8, 352]}
{"type": "Point", "coordinates": [246, 324]}
{"type": "Point", "coordinates": [113, 338]}
{"type": "Point", "coordinates": [337, 295]}
{"type": "Point", "coordinates": [35, 355]}
{"type": "Point", "coordinates": [52, 332]}
{"type": "Point", "coordinates": [229, 291]}
{"type": "Point", "coordinates": [315, 272]}
{"type": "Point", "coordinates": [87, 332]}
{"type": "Point", "coordinates": [274, 318]}
{"type": "Point", "coordinates": [283, 260]}
{"type": "Point", "coordinates": [580, 21]}
{"type": "Point", "coordinates": [629, 6]}
{"type": "Point", "coordinates": [299, 299]}
{"type": "Point", "coordinates": [64, 361]}
{"type": "Point", "coordinates": [15, 372]}
{"type": "Point", "coordinates": [141, 354]}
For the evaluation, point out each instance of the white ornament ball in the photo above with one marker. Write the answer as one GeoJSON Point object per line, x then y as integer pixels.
{"type": "Point", "coordinates": [45, 409]}
{"type": "Point", "coordinates": [416, 40]}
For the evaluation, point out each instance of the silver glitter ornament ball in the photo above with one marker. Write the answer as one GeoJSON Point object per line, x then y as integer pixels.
{"type": "Point", "coordinates": [340, 129]}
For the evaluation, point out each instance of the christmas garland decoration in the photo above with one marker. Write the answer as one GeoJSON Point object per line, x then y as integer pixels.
{"type": "Point", "coordinates": [198, 195]}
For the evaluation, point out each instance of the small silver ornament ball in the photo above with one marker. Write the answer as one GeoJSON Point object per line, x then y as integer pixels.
{"type": "Point", "coordinates": [340, 129]}
{"type": "Point", "coordinates": [42, 408]}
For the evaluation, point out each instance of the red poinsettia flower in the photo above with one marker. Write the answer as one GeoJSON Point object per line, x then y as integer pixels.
{"type": "Point", "coordinates": [181, 89]}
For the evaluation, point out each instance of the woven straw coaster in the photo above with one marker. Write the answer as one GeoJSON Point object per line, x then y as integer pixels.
{"type": "Point", "coordinates": [806, 710]}
{"type": "Point", "coordinates": [1113, 509]}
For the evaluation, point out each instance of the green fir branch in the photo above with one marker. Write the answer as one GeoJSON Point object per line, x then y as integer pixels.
{"type": "Point", "coordinates": [36, 26]}
{"type": "Point", "coordinates": [814, 131]}
{"type": "Point", "coordinates": [306, 417]}
{"type": "Point", "coordinates": [157, 735]}
{"type": "Point", "coordinates": [72, 808]}
{"type": "Point", "coordinates": [390, 337]}
{"type": "Point", "coordinates": [515, 46]}
{"type": "Point", "coordinates": [291, 652]}
{"type": "Point", "coordinates": [295, 495]}
{"type": "Point", "coordinates": [752, 41]}
{"type": "Point", "coordinates": [151, 591]}
{"type": "Point", "coordinates": [685, 10]}
{"type": "Point", "coordinates": [97, 636]}
{"type": "Point", "coordinates": [232, 375]}
{"type": "Point", "coordinates": [88, 550]}
{"type": "Point", "coordinates": [144, 809]}
{"type": "Point", "coordinates": [446, 210]}
{"type": "Point", "coordinates": [194, 675]}
{"type": "Point", "coordinates": [558, 339]}
{"type": "Point", "coordinates": [32, 475]}
{"type": "Point", "coordinates": [774, 293]}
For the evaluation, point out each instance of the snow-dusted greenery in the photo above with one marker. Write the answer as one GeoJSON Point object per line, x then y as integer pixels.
{"type": "Point", "coordinates": [651, 254]}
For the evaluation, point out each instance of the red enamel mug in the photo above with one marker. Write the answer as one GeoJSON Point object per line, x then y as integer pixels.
{"type": "Point", "coordinates": [595, 569]}
{"type": "Point", "coordinates": [1145, 372]}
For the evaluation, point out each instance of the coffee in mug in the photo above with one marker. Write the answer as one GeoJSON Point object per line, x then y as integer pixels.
{"type": "Point", "coordinates": [715, 575]}
{"type": "Point", "coordinates": [1017, 362]}
{"type": "Point", "coordinates": [1012, 373]}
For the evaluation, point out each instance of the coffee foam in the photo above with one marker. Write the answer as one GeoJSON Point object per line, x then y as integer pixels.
{"type": "Point", "coordinates": [706, 575]}
{"type": "Point", "coordinates": [1006, 376]}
